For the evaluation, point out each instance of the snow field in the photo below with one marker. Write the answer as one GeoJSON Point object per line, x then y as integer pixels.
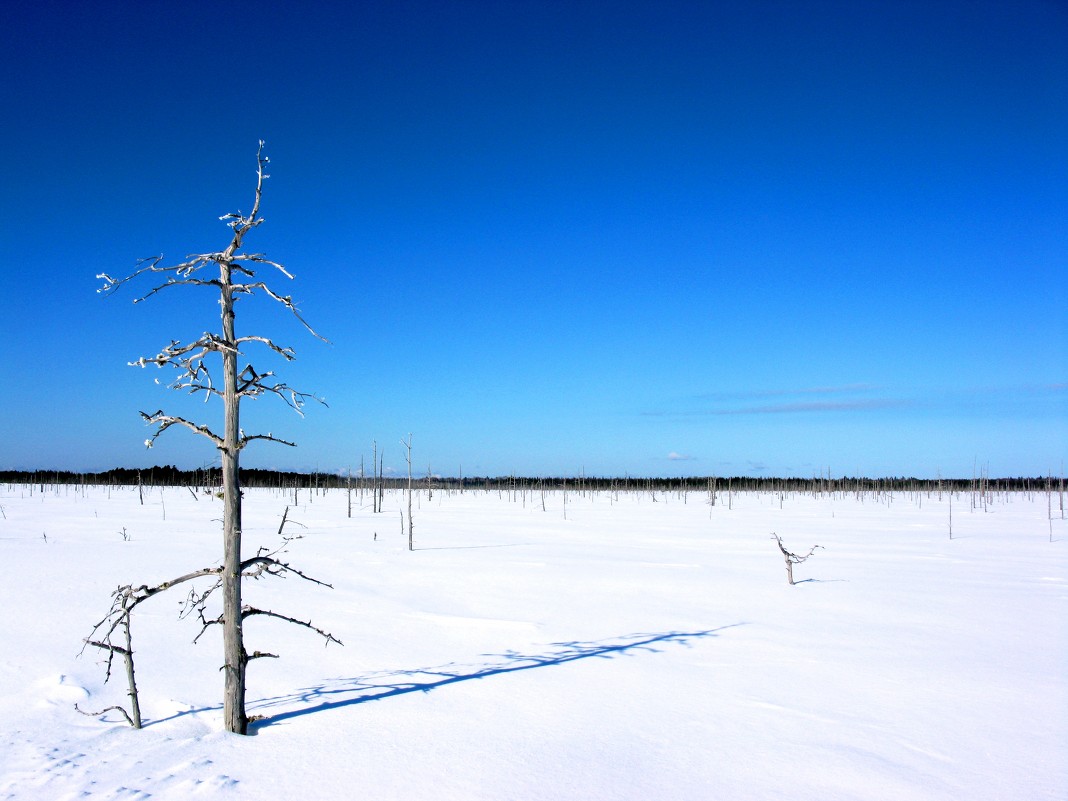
{"type": "Point", "coordinates": [634, 650]}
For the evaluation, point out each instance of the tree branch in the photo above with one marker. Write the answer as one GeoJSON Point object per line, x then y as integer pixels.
{"type": "Point", "coordinates": [285, 300]}
{"type": "Point", "coordinates": [267, 437]}
{"type": "Point", "coordinates": [106, 709]}
{"type": "Point", "coordinates": [287, 353]}
{"type": "Point", "coordinates": [250, 611]}
{"type": "Point", "coordinates": [794, 558]}
{"type": "Point", "coordinates": [183, 271]}
{"type": "Point", "coordinates": [172, 353]}
{"type": "Point", "coordinates": [275, 567]}
{"type": "Point", "coordinates": [165, 421]}
{"type": "Point", "coordinates": [254, 387]}
{"type": "Point", "coordinates": [178, 282]}
{"type": "Point", "coordinates": [260, 258]}
{"type": "Point", "coordinates": [126, 598]}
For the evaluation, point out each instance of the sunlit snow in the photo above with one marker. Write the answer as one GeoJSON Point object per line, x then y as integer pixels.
{"type": "Point", "coordinates": [621, 646]}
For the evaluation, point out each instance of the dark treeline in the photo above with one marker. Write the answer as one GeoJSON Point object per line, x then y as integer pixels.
{"type": "Point", "coordinates": [171, 476]}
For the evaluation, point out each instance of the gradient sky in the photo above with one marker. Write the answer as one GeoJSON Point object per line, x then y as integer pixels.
{"type": "Point", "coordinates": [652, 238]}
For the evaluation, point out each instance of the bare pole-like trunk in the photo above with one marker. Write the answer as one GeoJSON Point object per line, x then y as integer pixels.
{"type": "Point", "coordinates": [131, 680]}
{"type": "Point", "coordinates": [381, 479]}
{"type": "Point", "coordinates": [1060, 490]}
{"type": "Point", "coordinates": [234, 655]}
{"type": "Point", "coordinates": [1049, 505]}
{"type": "Point", "coordinates": [374, 476]}
{"type": "Point", "coordinates": [408, 456]}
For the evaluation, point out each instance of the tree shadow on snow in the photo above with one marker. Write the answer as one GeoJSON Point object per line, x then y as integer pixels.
{"type": "Point", "coordinates": [467, 547]}
{"type": "Point", "coordinates": [387, 684]}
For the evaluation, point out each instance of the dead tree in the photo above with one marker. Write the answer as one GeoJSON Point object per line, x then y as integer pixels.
{"type": "Point", "coordinates": [236, 277]}
{"type": "Point", "coordinates": [374, 477]}
{"type": "Point", "coordinates": [792, 558]}
{"type": "Point", "coordinates": [408, 456]}
{"type": "Point", "coordinates": [126, 598]}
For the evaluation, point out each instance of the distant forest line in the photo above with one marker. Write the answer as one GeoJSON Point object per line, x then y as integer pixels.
{"type": "Point", "coordinates": [171, 476]}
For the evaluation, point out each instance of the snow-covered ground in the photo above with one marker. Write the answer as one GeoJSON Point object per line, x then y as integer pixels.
{"type": "Point", "coordinates": [632, 649]}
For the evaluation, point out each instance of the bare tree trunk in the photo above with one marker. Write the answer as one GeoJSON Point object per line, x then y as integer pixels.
{"type": "Point", "coordinates": [408, 456]}
{"type": "Point", "coordinates": [235, 658]}
{"type": "Point", "coordinates": [381, 479]}
{"type": "Point", "coordinates": [131, 681]}
{"type": "Point", "coordinates": [1049, 505]}
{"type": "Point", "coordinates": [1060, 490]}
{"type": "Point", "coordinates": [374, 476]}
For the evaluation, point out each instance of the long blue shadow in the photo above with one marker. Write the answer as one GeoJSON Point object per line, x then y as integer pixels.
{"type": "Point", "coordinates": [376, 687]}
{"type": "Point", "coordinates": [467, 547]}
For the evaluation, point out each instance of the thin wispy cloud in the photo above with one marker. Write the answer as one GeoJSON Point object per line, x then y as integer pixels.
{"type": "Point", "coordinates": [860, 398]}
{"type": "Point", "coordinates": [813, 406]}
{"type": "Point", "coordinates": [679, 457]}
{"type": "Point", "coordinates": [802, 400]}
{"type": "Point", "coordinates": [758, 394]}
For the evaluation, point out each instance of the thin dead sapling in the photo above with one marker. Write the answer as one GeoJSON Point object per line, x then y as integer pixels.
{"type": "Point", "coordinates": [126, 598]}
{"type": "Point", "coordinates": [792, 558]}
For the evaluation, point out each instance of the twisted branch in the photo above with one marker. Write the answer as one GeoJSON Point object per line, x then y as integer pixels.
{"type": "Point", "coordinates": [249, 611]}
{"type": "Point", "coordinates": [106, 709]}
{"type": "Point", "coordinates": [286, 300]}
{"type": "Point", "coordinates": [125, 599]}
{"type": "Point", "coordinates": [165, 421]}
{"type": "Point", "coordinates": [793, 558]}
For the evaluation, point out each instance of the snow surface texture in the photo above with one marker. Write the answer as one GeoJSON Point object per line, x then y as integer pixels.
{"type": "Point", "coordinates": [630, 650]}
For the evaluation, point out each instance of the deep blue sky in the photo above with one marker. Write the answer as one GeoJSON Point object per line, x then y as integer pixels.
{"type": "Point", "coordinates": [656, 238]}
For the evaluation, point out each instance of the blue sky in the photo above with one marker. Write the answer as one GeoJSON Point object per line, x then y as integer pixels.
{"type": "Point", "coordinates": [667, 238]}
